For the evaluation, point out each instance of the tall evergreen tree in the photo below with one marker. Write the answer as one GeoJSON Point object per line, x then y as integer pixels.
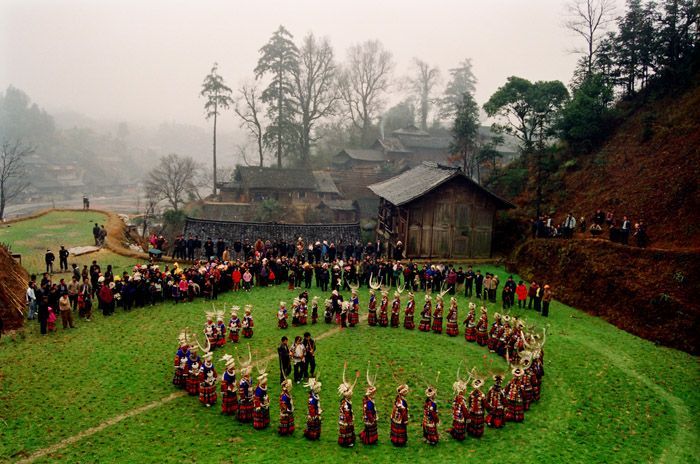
{"type": "Point", "coordinates": [218, 97]}
{"type": "Point", "coordinates": [462, 81]}
{"type": "Point", "coordinates": [279, 59]}
{"type": "Point", "coordinates": [530, 112]}
{"type": "Point", "coordinates": [465, 131]}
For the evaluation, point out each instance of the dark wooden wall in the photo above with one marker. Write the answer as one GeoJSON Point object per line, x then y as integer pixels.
{"type": "Point", "coordinates": [453, 221]}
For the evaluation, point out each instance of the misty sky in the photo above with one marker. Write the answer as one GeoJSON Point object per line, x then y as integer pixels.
{"type": "Point", "coordinates": [144, 61]}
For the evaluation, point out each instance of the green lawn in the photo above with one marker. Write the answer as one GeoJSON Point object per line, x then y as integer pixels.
{"type": "Point", "coordinates": [607, 395]}
{"type": "Point", "coordinates": [31, 238]}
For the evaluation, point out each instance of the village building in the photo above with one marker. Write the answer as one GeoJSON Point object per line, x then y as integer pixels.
{"type": "Point", "coordinates": [354, 169]}
{"type": "Point", "coordinates": [303, 195]}
{"type": "Point", "coordinates": [437, 212]}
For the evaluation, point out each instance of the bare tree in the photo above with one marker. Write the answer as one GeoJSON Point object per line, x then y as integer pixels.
{"type": "Point", "coordinates": [173, 180]}
{"type": "Point", "coordinates": [422, 84]}
{"type": "Point", "coordinates": [248, 108]}
{"type": "Point", "coordinates": [314, 90]}
{"type": "Point", "coordinates": [150, 210]}
{"type": "Point", "coordinates": [590, 19]}
{"type": "Point", "coordinates": [365, 78]}
{"type": "Point", "coordinates": [12, 172]}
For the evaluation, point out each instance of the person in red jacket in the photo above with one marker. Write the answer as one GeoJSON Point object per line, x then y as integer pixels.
{"type": "Point", "coordinates": [521, 291]}
{"type": "Point", "coordinates": [236, 277]}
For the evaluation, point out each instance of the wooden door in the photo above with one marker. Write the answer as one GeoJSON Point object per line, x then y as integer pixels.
{"type": "Point", "coordinates": [415, 229]}
{"type": "Point", "coordinates": [461, 231]}
{"type": "Point", "coordinates": [442, 217]}
{"type": "Point", "coordinates": [426, 232]}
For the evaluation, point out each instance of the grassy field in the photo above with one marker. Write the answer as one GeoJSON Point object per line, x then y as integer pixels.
{"type": "Point", "coordinates": [33, 237]}
{"type": "Point", "coordinates": [607, 396]}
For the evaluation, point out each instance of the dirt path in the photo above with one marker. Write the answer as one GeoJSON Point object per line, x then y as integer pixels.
{"type": "Point", "coordinates": [137, 411]}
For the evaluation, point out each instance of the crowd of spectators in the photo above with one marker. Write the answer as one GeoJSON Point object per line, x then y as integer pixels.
{"type": "Point", "coordinates": [618, 230]}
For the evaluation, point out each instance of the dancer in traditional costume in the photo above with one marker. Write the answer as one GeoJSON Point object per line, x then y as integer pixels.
{"type": "Point", "coordinates": [282, 316]}
{"type": "Point", "coordinates": [515, 408]}
{"type": "Point", "coordinates": [495, 403]}
{"type": "Point", "coordinates": [354, 312]}
{"type": "Point", "coordinates": [425, 315]}
{"type": "Point", "coordinates": [234, 325]}
{"type": "Point", "coordinates": [494, 331]}
{"type": "Point", "coordinates": [383, 310]}
{"type": "Point", "coordinates": [313, 417]}
{"type": "Point", "coordinates": [328, 312]}
{"type": "Point", "coordinates": [431, 420]}
{"type": "Point", "coordinates": [210, 329]}
{"type": "Point", "coordinates": [399, 417]}
{"type": "Point", "coordinates": [477, 407]}
{"type": "Point", "coordinates": [482, 327]}
{"type": "Point", "coordinates": [245, 391]}
{"type": "Point", "coordinates": [314, 310]}
{"type": "Point", "coordinates": [181, 361]}
{"type": "Point", "coordinates": [372, 309]}
{"type": "Point", "coordinates": [261, 401]}
{"type": "Point", "coordinates": [344, 310]}
{"type": "Point", "coordinates": [229, 387]}
{"type": "Point", "coordinates": [346, 422]}
{"type": "Point", "coordinates": [438, 314]}
{"type": "Point", "coordinates": [460, 412]}
{"type": "Point", "coordinates": [295, 313]}
{"type": "Point", "coordinates": [286, 409]}
{"type": "Point", "coordinates": [207, 386]}
{"type": "Point", "coordinates": [470, 322]}
{"type": "Point", "coordinates": [220, 329]}
{"type": "Point", "coordinates": [303, 312]}
{"type": "Point", "coordinates": [503, 336]}
{"type": "Point", "coordinates": [369, 435]}
{"type": "Point", "coordinates": [395, 309]}
{"type": "Point", "coordinates": [409, 312]}
{"type": "Point", "coordinates": [248, 323]}
{"type": "Point", "coordinates": [453, 319]}
{"type": "Point", "coordinates": [192, 371]}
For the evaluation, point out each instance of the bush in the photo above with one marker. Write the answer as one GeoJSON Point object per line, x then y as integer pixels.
{"type": "Point", "coordinates": [269, 211]}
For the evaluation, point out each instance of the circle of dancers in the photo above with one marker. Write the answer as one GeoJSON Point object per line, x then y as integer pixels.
{"type": "Point", "coordinates": [506, 400]}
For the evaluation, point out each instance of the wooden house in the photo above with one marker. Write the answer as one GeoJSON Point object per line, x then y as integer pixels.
{"type": "Point", "coordinates": [251, 184]}
{"type": "Point", "coordinates": [437, 212]}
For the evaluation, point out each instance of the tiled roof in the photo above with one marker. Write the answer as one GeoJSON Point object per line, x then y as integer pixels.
{"type": "Point", "coordinates": [420, 180]}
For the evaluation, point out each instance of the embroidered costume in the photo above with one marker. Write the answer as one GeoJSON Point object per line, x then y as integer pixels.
{"type": "Point", "coordinates": [313, 417]}
{"type": "Point", "coordinates": [425, 315]}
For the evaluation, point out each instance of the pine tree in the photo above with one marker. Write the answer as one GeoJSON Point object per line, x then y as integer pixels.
{"type": "Point", "coordinates": [279, 60]}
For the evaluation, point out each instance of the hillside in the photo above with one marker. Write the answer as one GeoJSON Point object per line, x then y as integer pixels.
{"type": "Point", "coordinates": [648, 169]}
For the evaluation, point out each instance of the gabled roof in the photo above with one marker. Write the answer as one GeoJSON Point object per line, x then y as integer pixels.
{"type": "Point", "coordinates": [339, 205]}
{"type": "Point", "coordinates": [256, 177]}
{"type": "Point", "coordinates": [390, 144]}
{"type": "Point", "coordinates": [325, 183]}
{"type": "Point", "coordinates": [362, 154]}
{"type": "Point", "coordinates": [432, 142]}
{"type": "Point", "coordinates": [411, 130]}
{"type": "Point", "coordinates": [420, 180]}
